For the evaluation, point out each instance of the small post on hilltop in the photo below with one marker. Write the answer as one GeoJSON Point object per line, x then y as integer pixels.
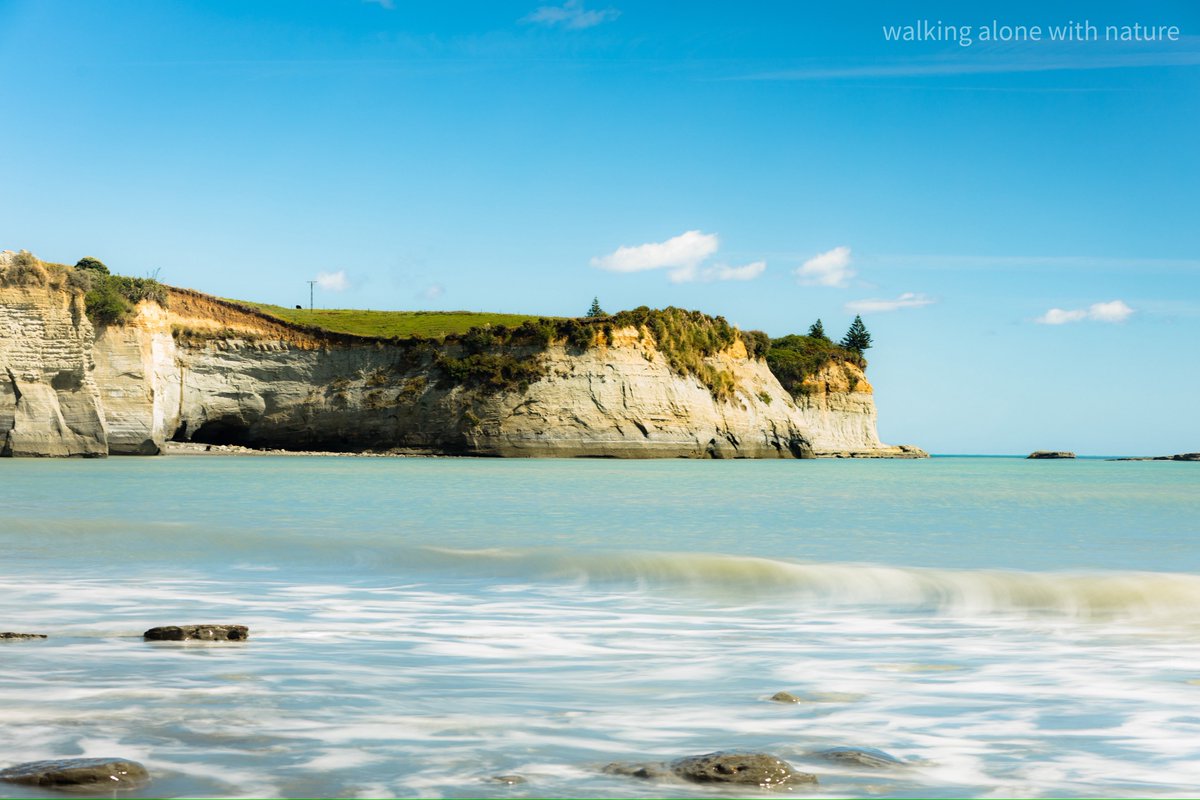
{"type": "Point", "coordinates": [311, 284]}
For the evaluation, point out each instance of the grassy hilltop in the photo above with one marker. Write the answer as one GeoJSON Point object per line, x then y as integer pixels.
{"type": "Point", "coordinates": [390, 324]}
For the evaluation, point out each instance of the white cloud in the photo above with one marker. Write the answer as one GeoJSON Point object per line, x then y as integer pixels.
{"type": "Point", "coordinates": [434, 291]}
{"type": "Point", "coordinates": [571, 15]}
{"type": "Point", "coordinates": [831, 268]}
{"type": "Point", "coordinates": [906, 300]}
{"type": "Point", "coordinates": [1115, 311]}
{"type": "Point", "coordinates": [1059, 316]}
{"type": "Point", "coordinates": [333, 281]}
{"type": "Point", "coordinates": [683, 256]}
{"type": "Point", "coordinates": [1112, 311]}
{"type": "Point", "coordinates": [682, 253]}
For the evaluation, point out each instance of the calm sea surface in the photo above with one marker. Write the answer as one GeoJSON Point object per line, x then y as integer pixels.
{"type": "Point", "coordinates": [1006, 627]}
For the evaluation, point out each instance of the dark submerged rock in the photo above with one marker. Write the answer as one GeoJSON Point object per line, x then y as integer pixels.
{"type": "Point", "coordinates": [79, 774]}
{"type": "Point", "coordinates": [11, 635]}
{"type": "Point", "coordinates": [635, 769]}
{"type": "Point", "coordinates": [209, 633]}
{"type": "Point", "coordinates": [1051, 454]}
{"type": "Point", "coordinates": [754, 769]}
{"type": "Point", "coordinates": [510, 780]}
{"type": "Point", "coordinates": [860, 757]}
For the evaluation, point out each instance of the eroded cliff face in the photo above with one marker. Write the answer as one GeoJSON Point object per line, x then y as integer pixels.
{"type": "Point", "coordinates": [49, 402]}
{"type": "Point", "coordinates": [837, 408]}
{"type": "Point", "coordinates": [203, 370]}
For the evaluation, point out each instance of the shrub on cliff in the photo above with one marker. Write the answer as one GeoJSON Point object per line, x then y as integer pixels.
{"type": "Point", "coordinates": [490, 371]}
{"type": "Point", "coordinates": [92, 265]}
{"type": "Point", "coordinates": [757, 343]}
{"type": "Point", "coordinates": [112, 298]}
{"type": "Point", "coordinates": [794, 358]}
{"type": "Point", "coordinates": [24, 269]}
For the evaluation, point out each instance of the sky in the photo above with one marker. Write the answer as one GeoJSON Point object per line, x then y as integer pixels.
{"type": "Point", "coordinates": [1017, 221]}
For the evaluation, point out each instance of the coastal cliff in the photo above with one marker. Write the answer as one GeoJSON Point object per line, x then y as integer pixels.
{"type": "Point", "coordinates": [196, 368]}
{"type": "Point", "coordinates": [49, 401]}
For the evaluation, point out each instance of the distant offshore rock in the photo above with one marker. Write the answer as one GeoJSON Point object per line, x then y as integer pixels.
{"type": "Point", "coordinates": [13, 636]}
{"type": "Point", "coordinates": [100, 775]}
{"type": "Point", "coordinates": [1051, 454]}
{"type": "Point", "coordinates": [207, 633]}
{"type": "Point", "coordinates": [1176, 457]}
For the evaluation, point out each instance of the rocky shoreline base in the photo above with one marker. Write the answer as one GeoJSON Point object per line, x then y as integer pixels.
{"type": "Point", "coordinates": [738, 770]}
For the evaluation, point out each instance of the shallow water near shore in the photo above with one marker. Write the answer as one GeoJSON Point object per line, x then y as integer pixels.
{"type": "Point", "coordinates": [420, 625]}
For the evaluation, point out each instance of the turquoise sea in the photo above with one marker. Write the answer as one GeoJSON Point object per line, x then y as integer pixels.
{"type": "Point", "coordinates": [1005, 627]}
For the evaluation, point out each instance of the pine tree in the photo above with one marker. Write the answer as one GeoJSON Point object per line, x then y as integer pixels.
{"type": "Point", "coordinates": [857, 338]}
{"type": "Point", "coordinates": [596, 310]}
{"type": "Point", "coordinates": [817, 331]}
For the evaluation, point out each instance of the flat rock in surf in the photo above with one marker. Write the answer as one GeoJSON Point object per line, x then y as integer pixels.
{"type": "Point", "coordinates": [9, 635]}
{"type": "Point", "coordinates": [754, 769]}
{"type": "Point", "coordinates": [508, 780]}
{"type": "Point", "coordinates": [1051, 454]}
{"type": "Point", "coordinates": [204, 633]}
{"type": "Point", "coordinates": [860, 757]}
{"type": "Point", "coordinates": [79, 774]}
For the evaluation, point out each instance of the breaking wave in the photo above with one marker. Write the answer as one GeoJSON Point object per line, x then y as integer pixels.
{"type": "Point", "coordinates": [1084, 595]}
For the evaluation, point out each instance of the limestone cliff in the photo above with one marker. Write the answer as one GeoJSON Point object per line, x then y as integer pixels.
{"type": "Point", "coordinates": [837, 407]}
{"type": "Point", "coordinates": [202, 369]}
{"type": "Point", "coordinates": [49, 402]}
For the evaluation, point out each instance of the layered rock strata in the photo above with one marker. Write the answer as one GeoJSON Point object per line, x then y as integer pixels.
{"type": "Point", "coordinates": [205, 370]}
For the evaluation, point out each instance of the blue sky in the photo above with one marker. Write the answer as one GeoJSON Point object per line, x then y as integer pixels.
{"type": "Point", "coordinates": [771, 162]}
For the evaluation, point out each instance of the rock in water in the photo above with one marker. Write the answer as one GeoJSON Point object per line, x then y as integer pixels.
{"type": "Point", "coordinates": [785, 697]}
{"type": "Point", "coordinates": [209, 633]}
{"type": "Point", "coordinates": [755, 769]}
{"type": "Point", "coordinates": [636, 769]}
{"type": "Point", "coordinates": [1051, 454]}
{"type": "Point", "coordinates": [509, 780]}
{"type": "Point", "coordinates": [79, 774]}
{"type": "Point", "coordinates": [860, 757]}
{"type": "Point", "coordinates": [11, 635]}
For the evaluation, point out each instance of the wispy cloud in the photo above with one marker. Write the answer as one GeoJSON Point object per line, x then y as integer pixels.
{"type": "Point", "coordinates": [333, 281]}
{"type": "Point", "coordinates": [723, 272]}
{"type": "Point", "coordinates": [1112, 311]}
{"type": "Point", "coordinates": [388, 4]}
{"type": "Point", "coordinates": [831, 268]}
{"type": "Point", "coordinates": [906, 300]}
{"type": "Point", "coordinates": [433, 291]}
{"type": "Point", "coordinates": [571, 15]}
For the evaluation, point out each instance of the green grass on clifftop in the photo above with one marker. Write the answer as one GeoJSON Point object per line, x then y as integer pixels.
{"type": "Point", "coordinates": [387, 324]}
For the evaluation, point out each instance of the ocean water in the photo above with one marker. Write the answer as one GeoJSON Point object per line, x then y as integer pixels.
{"type": "Point", "coordinates": [1002, 626]}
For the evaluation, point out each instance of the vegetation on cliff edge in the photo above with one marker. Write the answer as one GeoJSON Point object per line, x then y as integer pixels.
{"type": "Point", "coordinates": [794, 358]}
{"type": "Point", "coordinates": [109, 299]}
